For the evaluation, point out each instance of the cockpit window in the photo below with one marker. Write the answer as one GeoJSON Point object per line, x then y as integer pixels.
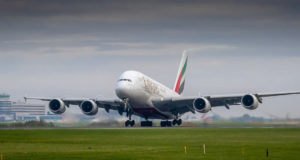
{"type": "Point", "coordinates": [128, 80]}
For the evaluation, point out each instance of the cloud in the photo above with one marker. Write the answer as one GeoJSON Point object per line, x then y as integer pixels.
{"type": "Point", "coordinates": [86, 46]}
{"type": "Point", "coordinates": [150, 15]}
{"type": "Point", "coordinates": [122, 11]}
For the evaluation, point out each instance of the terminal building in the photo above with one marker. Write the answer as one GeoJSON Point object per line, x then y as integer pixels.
{"type": "Point", "coordinates": [5, 107]}
{"type": "Point", "coordinates": [27, 112]}
{"type": "Point", "coordinates": [20, 111]}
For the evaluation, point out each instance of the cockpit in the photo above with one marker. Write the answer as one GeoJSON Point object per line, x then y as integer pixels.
{"type": "Point", "coordinates": [124, 79]}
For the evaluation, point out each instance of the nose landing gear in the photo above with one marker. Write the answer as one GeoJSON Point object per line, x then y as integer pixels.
{"type": "Point", "coordinates": [129, 122]}
{"type": "Point", "coordinates": [129, 113]}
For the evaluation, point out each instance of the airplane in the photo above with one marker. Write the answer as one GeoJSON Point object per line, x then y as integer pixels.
{"type": "Point", "coordinates": [143, 96]}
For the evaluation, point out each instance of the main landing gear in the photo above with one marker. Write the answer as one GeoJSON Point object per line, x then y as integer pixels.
{"type": "Point", "coordinates": [165, 123]}
{"type": "Point", "coordinates": [146, 123]}
{"type": "Point", "coordinates": [177, 121]}
{"type": "Point", "coordinates": [169, 123]}
{"type": "Point", "coordinates": [130, 123]}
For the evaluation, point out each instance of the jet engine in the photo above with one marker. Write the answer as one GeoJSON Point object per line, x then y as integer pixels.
{"type": "Point", "coordinates": [57, 106]}
{"type": "Point", "coordinates": [89, 107]}
{"type": "Point", "coordinates": [201, 105]}
{"type": "Point", "coordinates": [250, 101]}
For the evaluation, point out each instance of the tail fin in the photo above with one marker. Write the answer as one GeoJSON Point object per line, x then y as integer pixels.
{"type": "Point", "coordinates": [180, 79]}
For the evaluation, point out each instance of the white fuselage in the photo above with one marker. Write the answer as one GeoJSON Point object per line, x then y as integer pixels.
{"type": "Point", "coordinates": [139, 90]}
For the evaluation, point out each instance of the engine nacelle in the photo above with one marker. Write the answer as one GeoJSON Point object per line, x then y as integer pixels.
{"type": "Point", "coordinates": [89, 107]}
{"type": "Point", "coordinates": [201, 105]}
{"type": "Point", "coordinates": [57, 106]}
{"type": "Point", "coordinates": [250, 101]}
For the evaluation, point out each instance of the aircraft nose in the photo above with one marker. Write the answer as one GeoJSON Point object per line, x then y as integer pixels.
{"type": "Point", "coordinates": [122, 90]}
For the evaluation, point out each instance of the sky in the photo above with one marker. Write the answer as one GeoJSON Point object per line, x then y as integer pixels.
{"type": "Point", "coordinates": [79, 48]}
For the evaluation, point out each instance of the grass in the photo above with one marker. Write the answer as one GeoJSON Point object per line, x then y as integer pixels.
{"type": "Point", "coordinates": [221, 143]}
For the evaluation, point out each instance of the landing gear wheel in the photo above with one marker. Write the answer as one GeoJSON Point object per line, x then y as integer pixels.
{"type": "Point", "coordinates": [132, 123]}
{"type": "Point", "coordinates": [165, 124]}
{"type": "Point", "coordinates": [174, 122]}
{"type": "Point", "coordinates": [146, 123]}
{"type": "Point", "coordinates": [169, 124]}
{"type": "Point", "coordinates": [177, 121]}
{"type": "Point", "coordinates": [129, 123]}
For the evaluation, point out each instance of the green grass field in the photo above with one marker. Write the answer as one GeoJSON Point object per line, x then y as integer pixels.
{"type": "Point", "coordinates": [160, 143]}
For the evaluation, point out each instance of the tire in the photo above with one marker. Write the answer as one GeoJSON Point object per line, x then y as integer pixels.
{"type": "Point", "coordinates": [175, 122]}
{"type": "Point", "coordinates": [163, 123]}
{"type": "Point", "coordinates": [149, 123]}
{"type": "Point", "coordinates": [132, 123]}
{"type": "Point", "coordinates": [146, 123]}
{"type": "Point", "coordinates": [168, 124]}
{"type": "Point", "coordinates": [179, 122]}
{"type": "Point", "coordinates": [127, 123]}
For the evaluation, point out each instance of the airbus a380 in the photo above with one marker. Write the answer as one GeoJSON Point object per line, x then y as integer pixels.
{"type": "Point", "coordinates": [143, 96]}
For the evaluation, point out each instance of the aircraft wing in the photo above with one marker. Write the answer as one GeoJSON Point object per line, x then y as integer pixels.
{"type": "Point", "coordinates": [180, 105]}
{"type": "Point", "coordinates": [114, 104]}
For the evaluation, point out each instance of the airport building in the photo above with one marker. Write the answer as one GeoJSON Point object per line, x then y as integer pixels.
{"type": "Point", "coordinates": [27, 112]}
{"type": "Point", "coordinates": [5, 107]}
{"type": "Point", "coordinates": [20, 111]}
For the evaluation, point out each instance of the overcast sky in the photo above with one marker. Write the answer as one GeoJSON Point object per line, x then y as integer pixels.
{"type": "Point", "coordinates": [79, 48]}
